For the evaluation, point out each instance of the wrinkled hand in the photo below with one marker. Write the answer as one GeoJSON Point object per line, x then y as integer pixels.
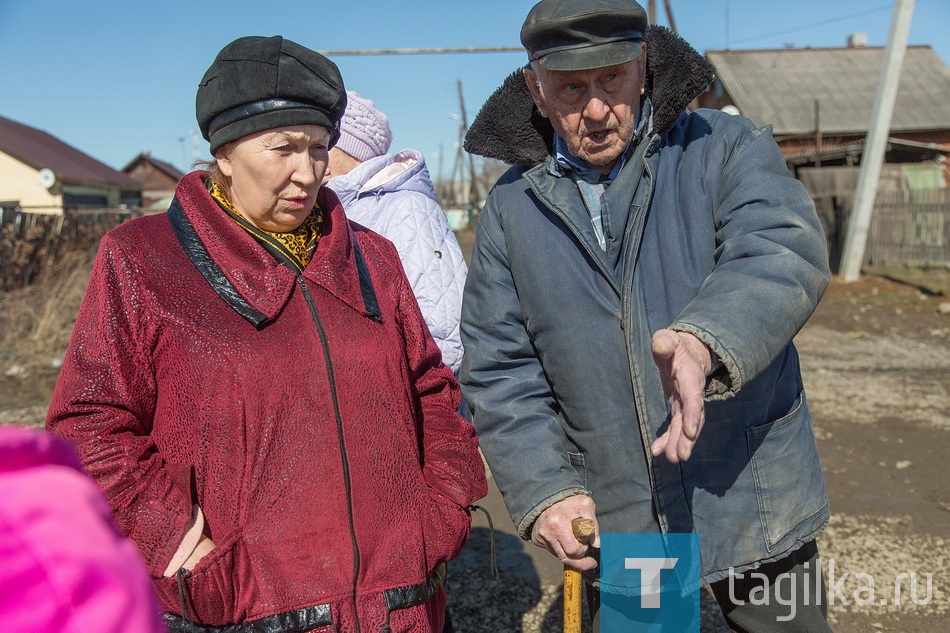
{"type": "Point", "coordinates": [684, 362]}
{"type": "Point", "coordinates": [204, 547]}
{"type": "Point", "coordinates": [552, 531]}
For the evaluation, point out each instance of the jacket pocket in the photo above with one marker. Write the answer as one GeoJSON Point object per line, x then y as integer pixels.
{"type": "Point", "coordinates": [208, 594]}
{"type": "Point", "coordinates": [789, 484]}
{"type": "Point", "coordinates": [446, 528]}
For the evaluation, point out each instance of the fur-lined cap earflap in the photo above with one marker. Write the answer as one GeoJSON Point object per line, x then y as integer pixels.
{"type": "Point", "coordinates": [509, 127]}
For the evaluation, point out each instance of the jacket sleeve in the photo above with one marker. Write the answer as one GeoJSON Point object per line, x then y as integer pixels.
{"type": "Point", "coordinates": [514, 409]}
{"type": "Point", "coordinates": [433, 261]}
{"type": "Point", "coordinates": [104, 402]}
{"type": "Point", "coordinates": [451, 464]}
{"type": "Point", "coordinates": [771, 263]}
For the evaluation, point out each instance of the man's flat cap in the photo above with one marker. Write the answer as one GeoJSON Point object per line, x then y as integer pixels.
{"type": "Point", "coordinates": [583, 34]}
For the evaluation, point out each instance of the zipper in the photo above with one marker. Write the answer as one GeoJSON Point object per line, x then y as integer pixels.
{"type": "Point", "coordinates": [186, 615]}
{"type": "Point", "coordinates": [339, 426]}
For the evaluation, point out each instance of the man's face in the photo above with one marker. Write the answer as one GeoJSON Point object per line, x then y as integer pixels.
{"type": "Point", "coordinates": [594, 111]}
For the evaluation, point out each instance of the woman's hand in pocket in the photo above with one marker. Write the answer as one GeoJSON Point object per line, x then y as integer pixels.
{"type": "Point", "coordinates": [204, 547]}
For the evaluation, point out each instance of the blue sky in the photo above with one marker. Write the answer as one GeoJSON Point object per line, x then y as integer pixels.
{"type": "Point", "coordinates": [114, 78]}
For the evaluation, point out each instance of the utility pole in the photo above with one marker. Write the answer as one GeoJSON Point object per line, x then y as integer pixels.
{"type": "Point", "coordinates": [859, 223]}
{"type": "Point", "coordinates": [473, 182]}
{"type": "Point", "coordinates": [651, 11]}
{"type": "Point", "coordinates": [195, 148]}
{"type": "Point", "coordinates": [669, 15]}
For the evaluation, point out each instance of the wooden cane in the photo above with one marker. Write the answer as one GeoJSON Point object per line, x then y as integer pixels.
{"type": "Point", "coordinates": [573, 584]}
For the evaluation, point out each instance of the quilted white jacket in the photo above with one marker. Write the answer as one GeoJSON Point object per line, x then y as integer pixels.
{"type": "Point", "coordinates": [394, 196]}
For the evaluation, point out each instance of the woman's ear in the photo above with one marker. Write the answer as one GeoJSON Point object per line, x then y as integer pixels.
{"type": "Point", "coordinates": [223, 158]}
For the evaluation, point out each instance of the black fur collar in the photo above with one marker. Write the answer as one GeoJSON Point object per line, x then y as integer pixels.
{"type": "Point", "coordinates": [509, 127]}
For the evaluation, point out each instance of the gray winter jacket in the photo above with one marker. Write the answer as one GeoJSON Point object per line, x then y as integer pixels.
{"type": "Point", "coordinates": [720, 241]}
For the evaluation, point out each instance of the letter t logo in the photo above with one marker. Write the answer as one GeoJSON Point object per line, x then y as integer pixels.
{"type": "Point", "coordinates": [649, 578]}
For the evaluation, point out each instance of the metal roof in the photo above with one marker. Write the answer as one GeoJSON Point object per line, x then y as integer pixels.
{"type": "Point", "coordinates": [40, 150]}
{"type": "Point", "coordinates": [779, 87]}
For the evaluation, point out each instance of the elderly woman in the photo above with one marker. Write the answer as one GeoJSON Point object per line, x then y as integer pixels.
{"type": "Point", "coordinates": [252, 384]}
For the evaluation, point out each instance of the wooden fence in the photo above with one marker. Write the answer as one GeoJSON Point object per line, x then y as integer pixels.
{"type": "Point", "coordinates": [31, 243]}
{"type": "Point", "coordinates": [907, 228]}
{"type": "Point", "coordinates": [910, 229]}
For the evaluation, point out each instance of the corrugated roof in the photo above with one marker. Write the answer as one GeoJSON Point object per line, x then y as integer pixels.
{"type": "Point", "coordinates": [780, 87]}
{"type": "Point", "coordinates": [40, 150]}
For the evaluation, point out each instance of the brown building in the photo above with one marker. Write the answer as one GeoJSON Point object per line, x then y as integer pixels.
{"type": "Point", "coordinates": [819, 100]}
{"type": "Point", "coordinates": [158, 180]}
{"type": "Point", "coordinates": [819, 103]}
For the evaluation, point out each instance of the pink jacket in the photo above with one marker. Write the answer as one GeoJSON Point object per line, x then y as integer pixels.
{"type": "Point", "coordinates": [65, 567]}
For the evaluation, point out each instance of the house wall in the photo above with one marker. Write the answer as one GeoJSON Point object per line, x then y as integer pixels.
{"type": "Point", "coordinates": [111, 193]}
{"type": "Point", "coordinates": [20, 182]}
{"type": "Point", "coordinates": [152, 179]}
{"type": "Point", "coordinates": [797, 144]}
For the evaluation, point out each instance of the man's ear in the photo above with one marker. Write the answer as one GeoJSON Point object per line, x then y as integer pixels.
{"type": "Point", "coordinates": [534, 87]}
{"type": "Point", "coordinates": [642, 67]}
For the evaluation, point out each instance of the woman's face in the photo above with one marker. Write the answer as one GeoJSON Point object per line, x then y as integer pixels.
{"type": "Point", "coordinates": [275, 174]}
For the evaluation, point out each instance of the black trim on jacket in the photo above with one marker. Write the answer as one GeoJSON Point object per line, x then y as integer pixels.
{"type": "Point", "coordinates": [414, 595]}
{"type": "Point", "coordinates": [310, 618]}
{"type": "Point", "coordinates": [212, 273]}
{"type": "Point", "coordinates": [216, 278]}
{"type": "Point", "coordinates": [299, 621]}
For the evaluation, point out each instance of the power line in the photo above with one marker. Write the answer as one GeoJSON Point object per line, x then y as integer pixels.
{"type": "Point", "coordinates": [812, 25]}
{"type": "Point", "coordinates": [421, 51]}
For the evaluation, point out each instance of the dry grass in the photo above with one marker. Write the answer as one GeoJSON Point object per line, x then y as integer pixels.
{"type": "Point", "coordinates": [45, 261]}
{"type": "Point", "coordinates": [38, 320]}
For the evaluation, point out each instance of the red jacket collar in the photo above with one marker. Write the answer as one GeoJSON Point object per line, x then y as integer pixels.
{"type": "Point", "coordinates": [250, 271]}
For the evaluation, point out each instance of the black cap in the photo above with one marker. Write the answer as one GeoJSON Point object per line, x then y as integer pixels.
{"type": "Point", "coordinates": [583, 34]}
{"type": "Point", "coordinates": [260, 83]}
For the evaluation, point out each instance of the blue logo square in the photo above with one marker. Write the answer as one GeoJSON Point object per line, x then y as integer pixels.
{"type": "Point", "coordinates": [649, 583]}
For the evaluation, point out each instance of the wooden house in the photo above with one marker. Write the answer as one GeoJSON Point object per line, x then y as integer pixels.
{"type": "Point", "coordinates": [819, 100]}
{"type": "Point", "coordinates": [819, 103]}
{"type": "Point", "coordinates": [158, 180]}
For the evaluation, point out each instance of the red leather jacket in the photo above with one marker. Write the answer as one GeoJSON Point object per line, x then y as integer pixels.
{"type": "Point", "coordinates": [310, 418]}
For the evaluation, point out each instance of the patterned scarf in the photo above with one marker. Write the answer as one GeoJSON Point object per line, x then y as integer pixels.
{"type": "Point", "coordinates": [293, 249]}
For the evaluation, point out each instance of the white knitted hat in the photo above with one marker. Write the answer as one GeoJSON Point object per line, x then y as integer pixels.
{"type": "Point", "coordinates": [364, 130]}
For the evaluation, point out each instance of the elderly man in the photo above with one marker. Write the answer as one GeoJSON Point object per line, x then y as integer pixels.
{"type": "Point", "coordinates": [636, 282]}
